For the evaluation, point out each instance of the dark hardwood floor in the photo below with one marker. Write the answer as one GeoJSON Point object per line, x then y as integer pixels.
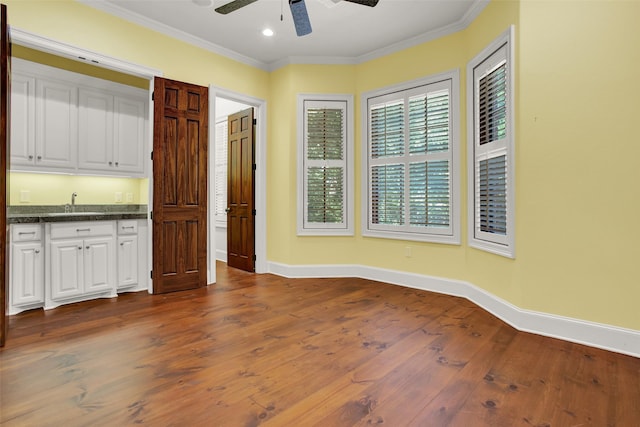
{"type": "Point", "coordinates": [266, 350]}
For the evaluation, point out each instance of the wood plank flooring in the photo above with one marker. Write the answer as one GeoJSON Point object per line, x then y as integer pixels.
{"type": "Point", "coordinates": [265, 350]}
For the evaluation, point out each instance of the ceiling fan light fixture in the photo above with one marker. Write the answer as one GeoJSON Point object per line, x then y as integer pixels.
{"type": "Point", "coordinates": [203, 3]}
{"type": "Point", "coordinates": [300, 17]}
{"type": "Point", "coordinates": [298, 11]}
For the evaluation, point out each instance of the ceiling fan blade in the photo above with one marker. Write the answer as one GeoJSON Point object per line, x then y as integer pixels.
{"type": "Point", "coordinates": [233, 6]}
{"type": "Point", "coordinates": [370, 3]}
{"type": "Point", "coordinates": [300, 17]}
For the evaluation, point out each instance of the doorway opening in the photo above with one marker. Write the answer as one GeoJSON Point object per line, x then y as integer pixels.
{"type": "Point", "coordinates": [224, 103]}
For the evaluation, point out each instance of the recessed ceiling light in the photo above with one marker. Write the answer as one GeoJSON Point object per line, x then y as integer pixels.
{"type": "Point", "coordinates": [203, 3]}
{"type": "Point", "coordinates": [267, 32]}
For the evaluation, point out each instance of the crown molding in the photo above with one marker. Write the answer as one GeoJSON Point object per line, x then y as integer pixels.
{"type": "Point", "coordinates": [312, 60]}
{"type": "Point", "coordinates": [460, 25]}
{"type": "Point", "coordinates": [172, 32]}
{"type": "Point", "coordinates": [477, 7]}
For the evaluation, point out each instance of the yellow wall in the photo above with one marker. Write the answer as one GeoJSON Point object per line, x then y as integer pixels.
{"type": "Point", "coordinates": [450, 261]}
{"type": "Point", "coordinates": [286, 83]}
{"type": "Point", "coordinates": [574, 161]}
{"type": "Point", "coordinates": [577, 174]}
{"type": "Point", "coordinates": [578, 160]}
{"type": "Point", "coordinates": [50, 189]}
{"type": "Point", "coordinates": [85, 27]}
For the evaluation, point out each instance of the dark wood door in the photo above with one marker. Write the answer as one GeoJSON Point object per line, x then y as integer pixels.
{"type": "Point", "coordinates": [180, 145]}
{"type": "Point", "coordinates": [5, 103]}
{"type": "Point", "coordinates": [240, 192]}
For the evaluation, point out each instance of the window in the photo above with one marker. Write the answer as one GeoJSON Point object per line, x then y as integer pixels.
{"type": "Point", "coordinates": [491, 148]}
{"type": "Point", "coordinates": [410, 161]}
{"type": "Point", "coordinates": [221, 172]}
{"type": "Point", "coordinates": [325, 176]}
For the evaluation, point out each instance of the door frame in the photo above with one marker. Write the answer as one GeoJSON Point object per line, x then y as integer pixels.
{"type": "Point", "coordinates": [260, 114]}
{"type": "Point", "coordinates": [34, 41]}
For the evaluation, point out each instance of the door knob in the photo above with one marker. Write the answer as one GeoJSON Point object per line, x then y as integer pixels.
{"type": "Point", "coordinates": [227, 210]}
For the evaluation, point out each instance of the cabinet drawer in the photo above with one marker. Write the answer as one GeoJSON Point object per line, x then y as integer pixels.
{"type": "Point", "coordinates": [26, 232]}
{"type": "Point", "coordinates": [128, 226]}
{"type": "Point", "coordinates": [69, 230]}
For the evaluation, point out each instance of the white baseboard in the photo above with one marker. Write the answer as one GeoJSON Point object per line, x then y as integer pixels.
{"type": "Point", "coordinates": [612, 338]}
{"type": "Point", "coordinates": [221, 255]}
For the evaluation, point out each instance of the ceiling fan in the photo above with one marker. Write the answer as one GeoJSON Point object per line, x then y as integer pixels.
{"type": "Point", "coordinates": [298, 11]}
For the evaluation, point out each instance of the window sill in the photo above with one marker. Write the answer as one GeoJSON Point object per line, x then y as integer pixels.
{"type": "Point", "coordinates": [431, 238]}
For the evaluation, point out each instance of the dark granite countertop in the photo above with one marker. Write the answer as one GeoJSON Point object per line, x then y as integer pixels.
{"type": "Point", "coordinates": [35, 214]}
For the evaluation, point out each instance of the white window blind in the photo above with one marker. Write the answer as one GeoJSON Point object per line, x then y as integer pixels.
{"type": "Point", "coordinates": [221, 160]}
{"type": "Point", "coordinates": [410, 161]}
{"type": "Point", "coordinates": [324, 184]}
{"type": "Point", "coordinates": [491, 148]}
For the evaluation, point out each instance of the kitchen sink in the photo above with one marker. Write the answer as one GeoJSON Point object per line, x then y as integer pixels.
{"type": "Point", "coordinates": [74, 213]}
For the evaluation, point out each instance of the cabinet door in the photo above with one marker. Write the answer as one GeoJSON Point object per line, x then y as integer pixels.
{"type": "Point", "coordinates": [127, 261]}
{"type": "Point", "coordinates": [56, 124]}
{"type": "Point", "coordinates": [66, 268]}
{"type": "Point", "coordinates": [23, 126]}
{"type": "Point", "coordinates": [129, 134]}
{"type": "Point", "coordinates": [27, 273]}
{"type": "Point", "coordinates": [95, 130]}
{"type": "Point", "coordinates": [99, 264]}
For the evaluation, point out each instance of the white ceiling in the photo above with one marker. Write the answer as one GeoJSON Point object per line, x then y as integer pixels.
{"type": "Point", "coordinates": [343, 32]}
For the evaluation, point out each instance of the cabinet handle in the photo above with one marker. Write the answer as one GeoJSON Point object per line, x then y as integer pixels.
{"type": "Point", "coordinates": [79, 248]}
{"type": "Point", "coordinates": [20, 233]}
{"type": "Point", "coordinates": [82, 229]}
{"type": "Point", "coordinates": [88, 247]}
{"type": "Point", "coordinates": [110, 163]}
{"type": "Point", "coordinates": [121, 243]}
{"type": "Point", "coordinates": [116, 164]}
{"type": "Point", "coordinates": [37, 251]}
{"type": "Point", "coordinates": [30, 156]}
{"type": "Point", "coordinates": [128, 226]}
{"type": "Point", "coordinates": [39, 157]}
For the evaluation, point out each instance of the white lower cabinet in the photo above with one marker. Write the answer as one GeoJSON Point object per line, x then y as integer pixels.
{"type": "Point", "coordinates": [99, 264]}
{"type": "Point", "coordinates": [60, 263]}
{"type": "Point", "coordinates": [127, 261]}
{"type": "Point", "coordinates": [128, 254]}
{"type": "Point", "coordinates": [82, 262]}
{"type": "Point", "coordinates": [66, 275]}
{"type": "Point", "coordinates": [26, 274]}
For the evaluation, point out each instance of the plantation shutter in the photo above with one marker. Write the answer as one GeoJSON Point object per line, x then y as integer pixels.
{"type": "Point", "coordinates": [221, 171]}
{"type": "Point", "coordinates": [410, 159]}
{"type": "Point", "coordinates": [490, 150]}
{"type": "Point", "coordinates": [492, 105]}
{"type": "Point", "coordinates": [325, 164]}
{"type": "Point", "coordinates": [492, 195]}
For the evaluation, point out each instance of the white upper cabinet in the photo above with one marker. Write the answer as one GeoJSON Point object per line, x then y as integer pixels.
{"type": "Point", "coordinates": [23, 116]}
{"type": "Point", "coordinates": [111, 132]}
{"type": "Point", "coordinates": [130, 122]}
{"type": "Point", "coordinates": [95, 130]}
{"type": "Point", "coordinates": [56, 124]}
{"type": "Point", "coordinates": [68, 122]}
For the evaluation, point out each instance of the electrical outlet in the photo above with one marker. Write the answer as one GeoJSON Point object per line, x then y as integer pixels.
{"type": "Point", "coordinates": [118, 196]}
{"type": "Point", "coordinates": [407, 251]}
{"type": "Point", "coordinates": [129, 197]}
{"type": "Point", "coordinates": [25, 196]}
